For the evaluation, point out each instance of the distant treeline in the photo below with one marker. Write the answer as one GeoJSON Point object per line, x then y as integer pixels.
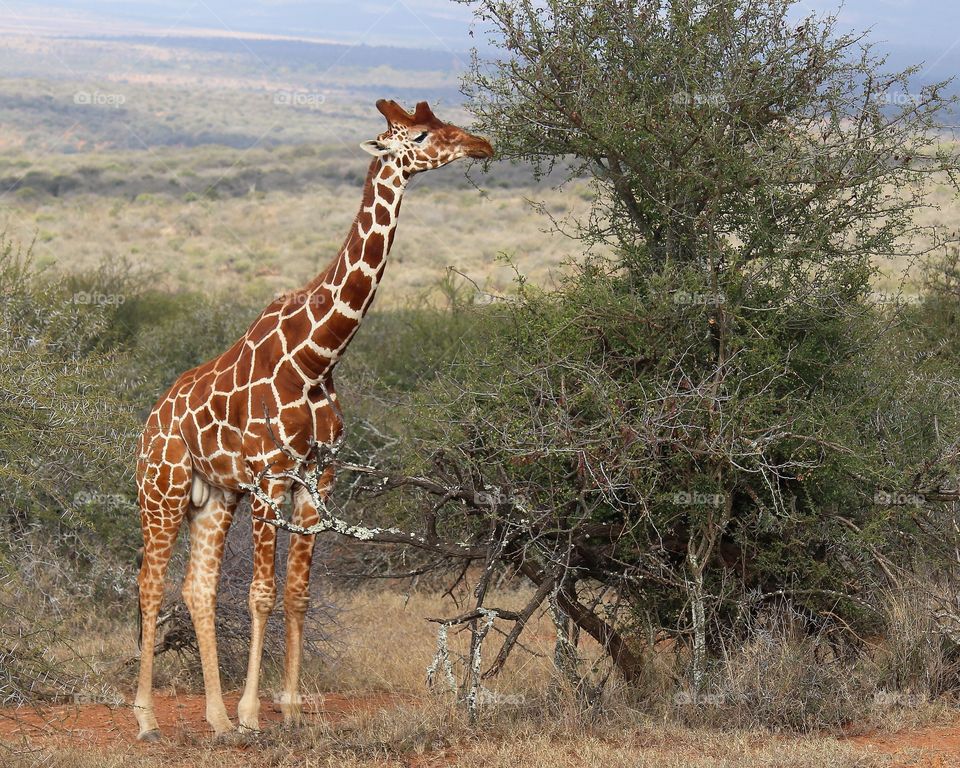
{"type": "Point", "coordinates": [295, 170]}
{"type": "Point", "coordinates": [302, 52]}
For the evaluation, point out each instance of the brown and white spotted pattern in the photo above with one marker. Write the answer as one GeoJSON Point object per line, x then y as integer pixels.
{"type": "Point", "coordinates": [219, 425]}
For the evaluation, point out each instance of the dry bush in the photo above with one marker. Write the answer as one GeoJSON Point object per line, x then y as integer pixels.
{"type": "Point", "coordinates": [919, 655]}
{"type": "Point", "coordinates": [53, 647]}
{"type": "Point", "coordinates": [781, 673]}
{"type": "Point", "coordinates": [27, 671]}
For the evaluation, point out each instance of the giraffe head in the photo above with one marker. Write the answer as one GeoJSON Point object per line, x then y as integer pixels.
{"type": "Point", "coordinates": [420, 141]}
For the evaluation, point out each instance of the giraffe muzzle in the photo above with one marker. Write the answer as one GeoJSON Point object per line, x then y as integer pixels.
{"type": "Point", "coordinates": [479, 149]}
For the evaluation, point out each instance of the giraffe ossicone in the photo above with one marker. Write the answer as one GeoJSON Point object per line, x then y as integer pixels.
{"type": "Point", "coordinates": [257, 409]}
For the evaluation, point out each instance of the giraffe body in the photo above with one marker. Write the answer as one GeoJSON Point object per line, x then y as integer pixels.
{"type": "Point", "coordinates": [254, 411]}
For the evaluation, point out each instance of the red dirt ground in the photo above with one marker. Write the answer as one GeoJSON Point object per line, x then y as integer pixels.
{"type": "Point", "coordinates": [182, 714]}
{"type": "Point", "coordinates": [97, 725]}
{"type": "Point", "coordinates": [932, 747]}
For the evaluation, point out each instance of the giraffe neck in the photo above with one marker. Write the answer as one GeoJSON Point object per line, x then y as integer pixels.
{"type": "Point", "coordinates": [340, 296]}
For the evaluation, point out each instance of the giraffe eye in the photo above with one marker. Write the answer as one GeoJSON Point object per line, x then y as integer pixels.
{"type": "Point", "coordinates": [421, 137]}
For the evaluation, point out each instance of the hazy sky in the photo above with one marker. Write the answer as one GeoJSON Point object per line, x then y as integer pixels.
{"type": "Point", "coordinates": [411, 23]}
{"type": "Point", "coordinates": [913, 30]}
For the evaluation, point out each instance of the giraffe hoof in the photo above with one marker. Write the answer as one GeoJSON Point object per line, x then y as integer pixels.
{"type": "Point", "coordinates": [150, 737]}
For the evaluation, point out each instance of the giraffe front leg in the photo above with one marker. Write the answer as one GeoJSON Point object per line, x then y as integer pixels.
{"type": "Point", "coordinates": [208, 529]}
{"type": "Point", "coordinates": [263, 597]}
{"type": "Point", "coordinates": [296, 598]}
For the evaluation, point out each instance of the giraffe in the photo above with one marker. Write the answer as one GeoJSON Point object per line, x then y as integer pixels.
{"type": "Point", "coordinates": [255, 411]}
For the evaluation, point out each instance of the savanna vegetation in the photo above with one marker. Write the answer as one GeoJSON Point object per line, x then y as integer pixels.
{"type": "Point", "coordinates": [692, 500]}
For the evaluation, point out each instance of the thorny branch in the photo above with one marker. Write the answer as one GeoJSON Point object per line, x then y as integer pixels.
{"type": "Point", "coordinates": [511, 536]}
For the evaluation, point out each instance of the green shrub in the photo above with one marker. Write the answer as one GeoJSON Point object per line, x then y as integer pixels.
{"type": "Point", "coordinates": [66, 456]}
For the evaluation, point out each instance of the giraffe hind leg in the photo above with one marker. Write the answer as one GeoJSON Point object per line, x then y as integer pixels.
{"type": "Point", "coordinates": [161, 515]}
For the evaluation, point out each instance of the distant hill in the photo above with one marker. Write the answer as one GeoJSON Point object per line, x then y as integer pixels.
{"type": "Point", "coordinates": [911, 30]}
{"type": "Point", "coordinates": [305, 53]}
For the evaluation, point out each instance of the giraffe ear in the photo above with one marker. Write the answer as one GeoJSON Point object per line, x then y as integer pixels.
{"type": "Point", "coordinates": [374, 148]}
{"type": "Point", "coordinates": [423, 115]}
{"type": "Point", "coordinates": [395, 114]}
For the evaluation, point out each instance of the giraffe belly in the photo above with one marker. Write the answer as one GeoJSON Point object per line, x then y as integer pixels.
{"type": "Point", "coordinates": [226, 471]}
{"type": "Point", "coordinates": [216, 455]}
{"type": "Point", "coordinates": [231, 444]}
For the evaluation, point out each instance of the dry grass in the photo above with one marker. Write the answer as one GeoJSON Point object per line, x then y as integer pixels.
{"type": "Point", "coordinates": [388, 644]}
{"type": "Point", "coordinates": [263, 243]}
{"type": "Point", "coordinates": [96, 184]}
{"type": "Point", "coordinates": [414, 737]}
{"type": "Point", "coordinates": [944, 213]}
{"type": "Point", "coordinates": [386, 716]}
{"type": "Point", "coordinates": [277, 241]}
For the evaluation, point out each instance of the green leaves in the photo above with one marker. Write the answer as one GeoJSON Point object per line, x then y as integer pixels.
{"type": "Point", "coordinates": [66, 457]}
{"type": "Point", "coordinates": [721, 127]}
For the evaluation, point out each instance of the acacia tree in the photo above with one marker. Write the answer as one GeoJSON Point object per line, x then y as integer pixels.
{"type": "Point", "coordinates": [752, 171]}
{"type": "Point", "coordinates": [716, 133]}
